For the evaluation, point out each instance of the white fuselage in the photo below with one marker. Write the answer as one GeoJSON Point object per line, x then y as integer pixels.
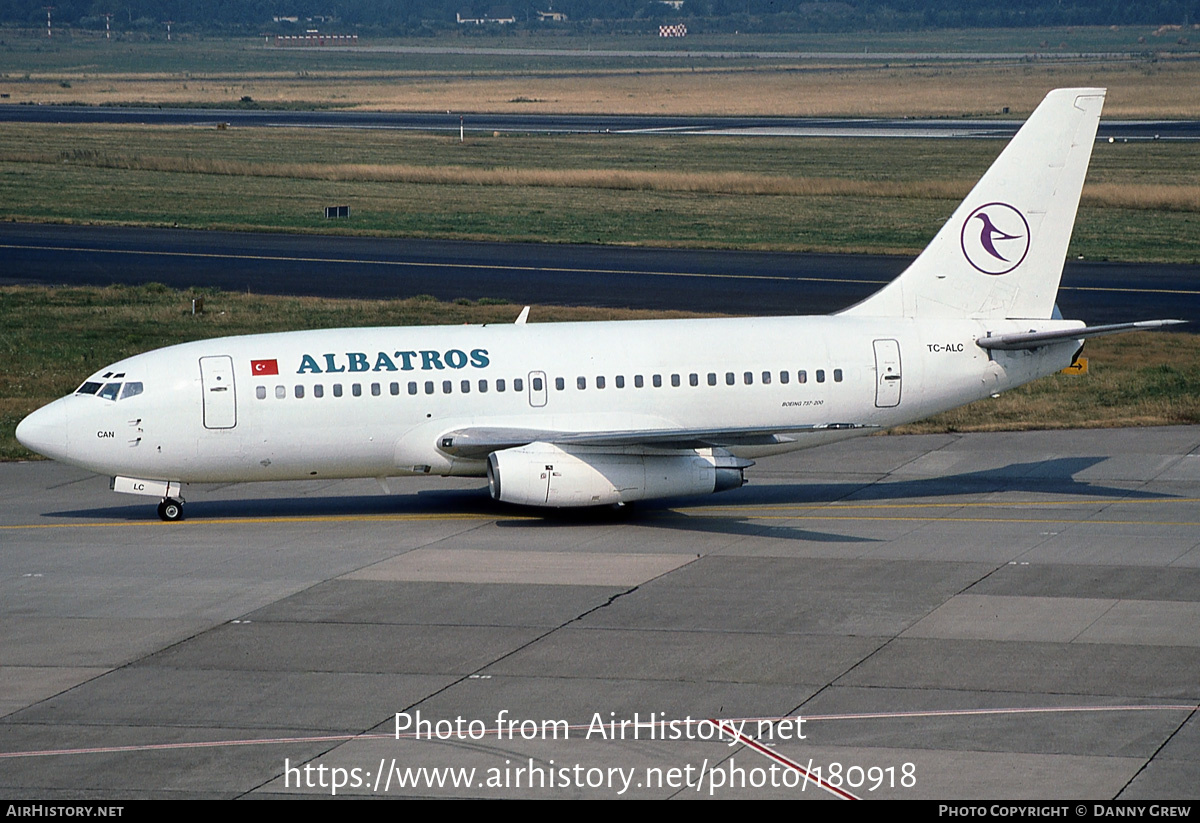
{"type": "Point", "coordinates": [374, 402]}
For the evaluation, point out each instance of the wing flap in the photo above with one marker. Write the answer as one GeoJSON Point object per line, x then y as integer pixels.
{"type": "Point", "coordinates": [478, 442]}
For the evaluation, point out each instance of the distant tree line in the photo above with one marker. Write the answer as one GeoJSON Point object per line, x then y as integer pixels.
{"type": "Point", "coordinates": [592, 16]}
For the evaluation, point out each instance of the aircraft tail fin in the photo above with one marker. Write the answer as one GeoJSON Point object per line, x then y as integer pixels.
{"type": "Point", "coordinates": [1001, 253]}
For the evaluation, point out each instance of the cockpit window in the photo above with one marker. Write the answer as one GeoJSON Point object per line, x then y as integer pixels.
{"type": "Point", "coordinates": [111, 391]}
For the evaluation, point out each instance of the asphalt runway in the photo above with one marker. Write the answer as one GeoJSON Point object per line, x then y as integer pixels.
{"type": "Point", "coordinates": [733, 282]}
{"type": "Point", "coordinates": [486, 123]}
{"type": "Point", "coordinates": [1000, 616]}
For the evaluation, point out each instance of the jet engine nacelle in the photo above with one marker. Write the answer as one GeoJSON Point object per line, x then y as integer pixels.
{"type": "Point", "coordinates": [542, 474]}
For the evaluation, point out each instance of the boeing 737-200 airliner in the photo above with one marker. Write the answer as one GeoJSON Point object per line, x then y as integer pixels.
{"type": "Point", "coordinates": [586, 414]}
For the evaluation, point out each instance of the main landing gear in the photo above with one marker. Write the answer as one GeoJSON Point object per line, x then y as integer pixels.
{"type": "Point", "coordinates": [170, 509]}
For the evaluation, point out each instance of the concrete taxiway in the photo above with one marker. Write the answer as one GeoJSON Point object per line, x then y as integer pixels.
{"type": "Point", "coordinates": [954, 616]}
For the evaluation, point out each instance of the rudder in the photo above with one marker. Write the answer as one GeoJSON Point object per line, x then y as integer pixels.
{"type": "Point", "coordinates": [1001, 253]}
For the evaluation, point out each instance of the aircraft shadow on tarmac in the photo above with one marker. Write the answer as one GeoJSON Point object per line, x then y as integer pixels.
{"type": "Point", "coordinates": [661, 517]}
{"type": "Point", "coordinates": [1054, 476]}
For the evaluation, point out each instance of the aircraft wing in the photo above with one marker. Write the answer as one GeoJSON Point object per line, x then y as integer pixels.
{"type": "Point", "coordinates": [479, 441]}
{"type": "Point", "coordinates": [1036, 339]}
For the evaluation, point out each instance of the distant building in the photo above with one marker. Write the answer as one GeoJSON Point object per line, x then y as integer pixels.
{"type": "Point", "coordinates": [675, 4]}
{"type": "Point", "coordinates": [316, 18]}
{"type": "Point", "coordinates": [495, 16]}
{"type": "Point", "coordinates": [552, 16]}
{"type": "Point", "coordinates": [677, 30]}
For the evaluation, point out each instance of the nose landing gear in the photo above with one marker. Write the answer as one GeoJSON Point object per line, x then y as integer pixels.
{"type": "Point", "coordinates": [170, 509]}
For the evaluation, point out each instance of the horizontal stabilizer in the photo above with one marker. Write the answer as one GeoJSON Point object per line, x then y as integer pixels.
{"type": "Point", "coordinates": [478, 442]}
{"type": "Point", "coordinates": [1037, 339]}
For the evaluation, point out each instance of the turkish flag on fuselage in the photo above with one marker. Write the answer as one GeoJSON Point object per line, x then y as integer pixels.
{"type": "Point", "coordinates": [260, 367]}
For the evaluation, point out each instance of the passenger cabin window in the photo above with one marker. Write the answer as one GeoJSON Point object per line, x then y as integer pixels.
{"type": "Point", "coordinates": [658, 381]}
{"type": "Point", "coordinates": [261, 392]}
{"type": "Point", "coordinates": [837, 375]}
{"type": "Point", "coordinates": [280, 392]}
{"type": "Point", "coordinates": [766, 378]}
{"type": "Point", "coordinates": [748, 378]}
{"type": "Point", "coordinates": [820, 375]}
{"type": "Point", "coordinates": [429, 387]}
{"type": "Point", "coordinates": [620, 381]}
{"type": "Point", "coordinates": [375, 390]}
{"type": "Point", "coordinates": [447, 387]}
{"type": "Point", "coordinates": [638, 382]}
{"type": "Point", "coordinates": [784, 377]}
{"type": "Point", "coordinates": [356, 389]}
{"type": "Point", "coordinates": [299, 392]}
{"type": "Point", "coordinates": [693, 379]}
{"type": "Point", "coordinates": [675, 380]}
{"type": "Point", "coordinates": [729, 378]}
{"type": "Point", "coordinates": [337, 389]}
{"type": "Point", "coordinates": [581, 383]}
{"type": "Point", "coordinates": [519, 384]}
{"type": "Point", "coordinates": [500, 384]}
{"type": "Point", "coordinates": [482, 385]}
{"type": "Point", "coordinates": [599, 381]}
{"type": "Point", "coordinates": [318, 390]}
{"type": "Point", "coordinates": [412, 387]}
{"type": "Point", "coordinates": [466, 387]}
{"type": "Point", "coordinates": [394, 388]}
{"type": "Point", "coordinates": [802, 376]}
{"type": "Point", "coordinates": [712, 378]}
{"type": "Point", "coordinates": [559, 383]}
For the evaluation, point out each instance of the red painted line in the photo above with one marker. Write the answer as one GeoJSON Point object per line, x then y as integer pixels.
{"type": "Point", "coordinates": [778, 758]}
{"type": "Point", "coordinates": [1011, 710]}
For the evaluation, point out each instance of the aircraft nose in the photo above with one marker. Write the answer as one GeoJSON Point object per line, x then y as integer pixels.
{"type": "Point", "coordinates": [45, 431]}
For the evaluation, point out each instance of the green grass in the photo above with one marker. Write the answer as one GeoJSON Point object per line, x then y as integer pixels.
{"type": "Point", "coordinates": [896, 192]}
{"type": "Point", "coordinates": [1141, 379]}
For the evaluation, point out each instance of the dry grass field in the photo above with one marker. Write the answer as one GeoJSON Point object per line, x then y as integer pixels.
{"type": "Point", "coordinates": [1130, 194]}
{"type": "Point", "coordinates": [1149, 89]}
{"type": "Point", "coordinates": [1154, 79]}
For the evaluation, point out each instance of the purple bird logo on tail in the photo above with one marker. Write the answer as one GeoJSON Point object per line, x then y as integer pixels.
{"type": "Point", "coordinates": [995, 238]}
{"type": "Point", "coordinates": [990, 234]}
